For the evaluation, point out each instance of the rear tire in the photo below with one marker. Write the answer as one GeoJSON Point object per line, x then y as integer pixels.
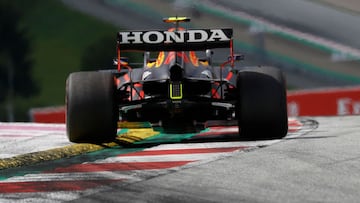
{"type": "Point", "coordinates": [91, 112]}
{"type": "Point", "coordinates": [261, 107]}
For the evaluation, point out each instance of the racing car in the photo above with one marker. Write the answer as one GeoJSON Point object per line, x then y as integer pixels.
{"type": "Point", "coordinates": [177, 84]}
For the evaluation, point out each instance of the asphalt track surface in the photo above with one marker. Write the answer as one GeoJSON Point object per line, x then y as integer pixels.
{"type": "Point", "coordinates": [318, 161]}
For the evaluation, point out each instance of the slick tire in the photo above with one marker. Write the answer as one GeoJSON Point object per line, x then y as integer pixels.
{"type": "Point", "coordinates": [261, 105]}
{"type": "Point", "coordinates": [91, 113]}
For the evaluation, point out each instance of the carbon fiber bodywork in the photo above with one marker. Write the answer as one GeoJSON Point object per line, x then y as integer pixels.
{"type": "Point", "coordinates": [177, 88]}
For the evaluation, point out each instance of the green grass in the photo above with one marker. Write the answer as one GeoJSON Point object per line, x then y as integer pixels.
{"type": "Point", "coordinates": [59, 36]}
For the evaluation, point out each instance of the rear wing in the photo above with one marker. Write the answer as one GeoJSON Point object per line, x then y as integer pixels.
{"type": "Point", "coordinates": [178, 40]}
{"type": "Point", "coordinates": [174, 40]}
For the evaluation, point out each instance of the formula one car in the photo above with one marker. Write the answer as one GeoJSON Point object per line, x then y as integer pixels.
{"type": "Point", "coordinates": [176, 88]}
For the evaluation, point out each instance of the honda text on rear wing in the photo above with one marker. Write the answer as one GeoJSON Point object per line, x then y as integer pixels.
{"type": "Point", "coordinates": [178, 39]}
